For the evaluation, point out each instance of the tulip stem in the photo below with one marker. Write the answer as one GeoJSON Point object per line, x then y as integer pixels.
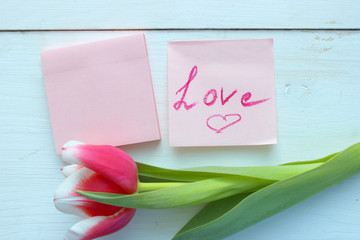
{"type": "Point", "coordinates": [145, 187]}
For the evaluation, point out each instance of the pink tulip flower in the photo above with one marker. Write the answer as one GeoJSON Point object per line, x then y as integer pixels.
{"type": "Point", "coordinates": [98, 168]}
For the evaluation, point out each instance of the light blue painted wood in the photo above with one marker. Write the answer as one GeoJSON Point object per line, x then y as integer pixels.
{"type": "Point", "coordinates": [317, 83]}
{"type": "Point", "coordinates": [145, 14]}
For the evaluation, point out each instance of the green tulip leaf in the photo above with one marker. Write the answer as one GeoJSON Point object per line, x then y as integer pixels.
{"type": "Point", "coordinates": [320, 160]}
{"type": "Point", "coordinates": [146, 179]}
{"type": "Point", "coordinates": [271, 199]}
{"type": "Point", "coordinates": [174, 175]}
{"type": "Point", "coordinates": [150, 173]}
{"type": "Point", "coordinates": [184, 195]}
{"type": "Point", "coordinates": [213, 211]}
{"type": "Point", "coordinates": [265, 172]}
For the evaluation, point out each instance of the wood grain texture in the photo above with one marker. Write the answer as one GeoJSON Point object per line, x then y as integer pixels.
{"type": "Point", "coordinates": [183, 14]}
{"type": "Point", "coordinates": [317, 83]}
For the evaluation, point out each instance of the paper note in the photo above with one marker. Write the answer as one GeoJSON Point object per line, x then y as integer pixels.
{"type": "Point", "coordinates": [221, 93]}
{"type": "Point", "coordinates": [101, 92]}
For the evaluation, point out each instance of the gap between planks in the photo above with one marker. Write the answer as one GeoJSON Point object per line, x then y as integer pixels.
{"type": "Point", "coordinates": [182, 29]}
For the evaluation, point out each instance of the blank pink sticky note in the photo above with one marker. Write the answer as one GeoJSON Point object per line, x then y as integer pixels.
{"type": "Point", "coordinates": [221, 93]}
{"type": "Point", "coordinates": [101, 92]}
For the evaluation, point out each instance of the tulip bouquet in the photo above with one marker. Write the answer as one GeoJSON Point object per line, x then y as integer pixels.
{"type": "Point", "coordinates": [105, 186]}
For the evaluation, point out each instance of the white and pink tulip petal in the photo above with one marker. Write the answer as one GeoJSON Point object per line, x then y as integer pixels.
{"type": "Point", "coordinates": [69, 201]}
{"type": "Point", "coordinates": [70, 169]}
{"type": "Point", "coordinates": [108, 161]}
{"type": "Point", "coordinates": [67, 156]}
{"type": "Point", "coordinates": [99, 226]}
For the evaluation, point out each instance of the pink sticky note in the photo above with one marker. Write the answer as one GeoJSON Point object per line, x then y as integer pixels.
{"type": "Point", "coordinates": [101, 92]}
{"type": "Point", "coordinates": [221, 93]}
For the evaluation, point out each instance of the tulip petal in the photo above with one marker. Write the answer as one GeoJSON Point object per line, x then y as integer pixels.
{"type": "Point", "coordinates": [70, 169]}
{"type": "Point", "coordinates": [69, 201]}
{"type": "Point", "coordinates": [108, 161]}
{"type": "Point", "coordinates": [99, 226]}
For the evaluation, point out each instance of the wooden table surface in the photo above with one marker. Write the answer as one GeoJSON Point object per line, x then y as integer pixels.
{"type": "Point", "coordinates": [317, 65]}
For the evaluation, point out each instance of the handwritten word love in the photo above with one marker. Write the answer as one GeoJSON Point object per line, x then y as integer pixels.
{"type": "Point", "coordinates": [211, 96]}
{"type": "Point", "coordinates": [210, 99]}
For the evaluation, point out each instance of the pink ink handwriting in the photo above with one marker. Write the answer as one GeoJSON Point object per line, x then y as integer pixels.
{"type": "Point", "coordinates": [216, 122]}
{"type": "Point", "coordinates": [214, 97]}
{"type": "Point", "coordinates": [211, 96]}
{"type": "Point", "coordinates": [178, 104]}
{"type": "Point", "coordinates": [225, 122]}
{"type": "Point", "coordinates": [246, 97]}
{"type": "Point", "coordinates": [228, 98]}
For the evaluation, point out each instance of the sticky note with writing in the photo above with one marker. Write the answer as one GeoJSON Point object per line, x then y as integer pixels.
{"type": "Point", "coordinates": [221, 93]}
{"type": "Point", "coordinates": [101, 92]}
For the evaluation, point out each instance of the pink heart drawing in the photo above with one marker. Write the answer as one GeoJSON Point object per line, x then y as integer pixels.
{"type": "Point", "coordinates": [225, 120]}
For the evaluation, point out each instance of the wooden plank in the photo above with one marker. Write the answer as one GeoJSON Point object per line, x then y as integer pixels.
{"type": "Point", "coordinates": [179, 14]}
{"type": "Point", "coordinates": [317, 85]}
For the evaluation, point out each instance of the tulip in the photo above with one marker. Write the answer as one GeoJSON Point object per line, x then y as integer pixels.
{"type": "Point", "coordinates": [238, 196]}
{"type": "Point", "coordinates": [101, 169]}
